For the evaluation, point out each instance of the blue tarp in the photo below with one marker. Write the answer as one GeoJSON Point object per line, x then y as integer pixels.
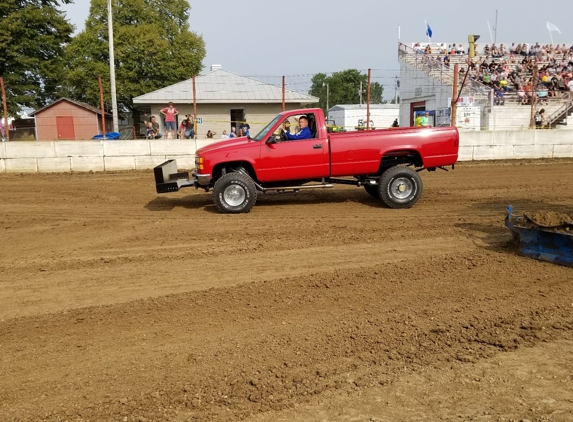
{"type": "Point", "coordinates": [110, 135]}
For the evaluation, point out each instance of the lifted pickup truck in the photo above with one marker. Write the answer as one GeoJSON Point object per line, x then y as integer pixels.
{"type": "Point", "coordinates": [386, 162]}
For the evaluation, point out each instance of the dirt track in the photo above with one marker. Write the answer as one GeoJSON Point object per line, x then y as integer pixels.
{"type": "Point", "coordinates": [117, 304]}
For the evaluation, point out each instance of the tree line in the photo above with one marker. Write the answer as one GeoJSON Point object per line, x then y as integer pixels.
{"type": "Point", "coordinates": [42, 60]}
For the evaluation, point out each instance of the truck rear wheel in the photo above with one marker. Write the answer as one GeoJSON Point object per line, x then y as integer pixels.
{"type": "Point", "coordinates": [234, 193]}
{"type": "Point", "coordinates": [400, 187]}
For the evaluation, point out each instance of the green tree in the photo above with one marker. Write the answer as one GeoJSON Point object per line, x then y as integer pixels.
{"type": "Point", "coordinates": [344, 88]}
{"type": "Point", "coordinates": [153, 48]}
{"type": "Point", "coordinates": [33, 34]}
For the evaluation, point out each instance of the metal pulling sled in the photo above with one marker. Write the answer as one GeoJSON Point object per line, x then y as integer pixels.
{"type": "Point", "coordinates": [542, 240]}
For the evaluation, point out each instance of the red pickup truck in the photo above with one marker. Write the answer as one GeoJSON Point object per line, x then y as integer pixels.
{"type": "Point", "coordinates": [385, 161]}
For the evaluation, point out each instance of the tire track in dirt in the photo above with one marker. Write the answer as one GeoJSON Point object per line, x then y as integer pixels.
{"type": "Point", "coordinates": [46, 291]}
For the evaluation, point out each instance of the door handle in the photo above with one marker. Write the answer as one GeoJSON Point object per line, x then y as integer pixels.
{"type": "Point", "coordinates": [317, 146]}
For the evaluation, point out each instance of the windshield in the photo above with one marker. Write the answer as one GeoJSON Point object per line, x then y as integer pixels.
{"type": "Point", "coordinates": [263, 134]}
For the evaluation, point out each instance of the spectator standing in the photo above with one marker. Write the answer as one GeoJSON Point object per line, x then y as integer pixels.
{"type": "Point", "coordinates": [155, 126]}
{"type": "Point", "coordinates": [224, 135]}
{"type": "Point", "coordinates": [210, 134]}
{"type": "Point", "coordinates": [244, 129]}
{"type": "Point", "coordinates": [169, 112]}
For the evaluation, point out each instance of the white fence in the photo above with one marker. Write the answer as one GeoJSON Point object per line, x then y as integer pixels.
{"type": "Point", "coordinates": [65, 156]}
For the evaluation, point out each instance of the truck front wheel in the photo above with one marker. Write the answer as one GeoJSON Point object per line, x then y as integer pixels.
{"type": "Point", "coordinates": [234, 193]}
{"type": "Point", "coordinates": [400, 187]}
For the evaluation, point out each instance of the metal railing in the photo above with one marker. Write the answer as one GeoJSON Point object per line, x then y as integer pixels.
{"type": "Point", "coordinates": [562, 111]}
{"type": "Point", "coordinates": [437, 69]}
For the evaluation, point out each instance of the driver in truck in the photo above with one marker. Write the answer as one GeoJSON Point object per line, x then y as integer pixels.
{"type": "Point", "coordinates": [304, 131]}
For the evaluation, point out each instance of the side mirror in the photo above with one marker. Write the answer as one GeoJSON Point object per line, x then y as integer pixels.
{"type": "Point", "coordinates": [271, 140]}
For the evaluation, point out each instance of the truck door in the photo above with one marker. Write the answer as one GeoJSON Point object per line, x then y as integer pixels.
{"type": "Point", "coordinates": [295, 159]}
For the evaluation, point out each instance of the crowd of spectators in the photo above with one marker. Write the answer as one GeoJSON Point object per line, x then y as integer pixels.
{"type": "Point", "coordinates": [523, 72]}
{"type": "Point", "coordinates": [534, 73]}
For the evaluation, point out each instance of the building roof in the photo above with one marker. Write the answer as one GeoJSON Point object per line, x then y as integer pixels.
{"type": "Point", "coordinates": [363, 107]}
{"type": "Point", "coordinates": [222, 87]}
{"type": "Point", "coordinates": [78, 103]}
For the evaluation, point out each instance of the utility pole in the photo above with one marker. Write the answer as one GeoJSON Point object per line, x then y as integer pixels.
{"type": "Point", "coordinates": [284, 93]}
{"type": "Point", "coordinates": [327, 98]}
{"type": "Point", "coordinates": [195, 107]}
{"type": "Point", "coordinates": [6, 127]}
{"type": "Point", "coordinates": [103, 128]}
{"type": "Point", "coordinates": [454, 104]}
{"type": "Point", "coordinates": [533, 91]}
{"type": "Point", "coordinates": [112, 69]}
{"type": "Point", "coordinates": [368, 102]}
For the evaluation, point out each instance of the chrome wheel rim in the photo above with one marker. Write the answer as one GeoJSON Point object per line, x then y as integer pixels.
{"type": "Point", "coordinates": [234, 195]}
{"type": "Point", "coordinates": [402, 187]}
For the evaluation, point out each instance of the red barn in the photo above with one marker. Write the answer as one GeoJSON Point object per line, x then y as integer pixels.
{"type": "Point", "coordinates": [67, 119]}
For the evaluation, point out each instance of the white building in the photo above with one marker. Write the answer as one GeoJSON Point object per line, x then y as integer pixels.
{"type": "Point", "coordinates": [223, 99]}
{"type": "Point", "coordinates": [352, 115]}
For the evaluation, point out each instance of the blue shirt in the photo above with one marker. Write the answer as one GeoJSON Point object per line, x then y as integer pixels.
{"type": "Point", "coordinates": [302, 134]}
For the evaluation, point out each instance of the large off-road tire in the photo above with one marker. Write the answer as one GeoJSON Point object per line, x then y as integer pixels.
{"type": "Point", "coordinates": [372, 191]}
{"type": "Point", "coordinates": [234, 193]}
{"type": "Point", "coordinates": [400, 187]}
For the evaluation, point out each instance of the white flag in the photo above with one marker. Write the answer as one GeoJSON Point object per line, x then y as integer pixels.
{"type": "Point", "coordinates": [552, 27]}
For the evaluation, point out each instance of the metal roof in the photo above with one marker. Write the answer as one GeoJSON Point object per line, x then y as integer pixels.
{"type": "Point", "coordinates": [222, 87]}
{"type": "Point", "coordinates": [363, 107]}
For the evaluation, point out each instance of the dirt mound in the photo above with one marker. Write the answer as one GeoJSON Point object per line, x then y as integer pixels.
{"type": "Point", "coordinates": [550, 218]}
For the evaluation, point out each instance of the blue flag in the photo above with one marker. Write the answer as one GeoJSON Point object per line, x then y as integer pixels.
{"type": "Point", "coordinates": [428, 30]}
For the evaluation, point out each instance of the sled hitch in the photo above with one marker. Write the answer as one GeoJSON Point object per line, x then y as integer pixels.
{"type": "Point", "coordinates": [168, 179]}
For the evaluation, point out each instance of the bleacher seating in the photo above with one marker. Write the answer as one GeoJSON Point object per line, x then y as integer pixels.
{"type": "Point", "coordinates": [538, 75]}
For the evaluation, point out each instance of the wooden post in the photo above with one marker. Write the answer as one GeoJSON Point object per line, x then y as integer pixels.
{"type": "Point", "coordinates": [284, 93]}
{"type": "Point", "coordinates": [103, 128]}
{"type": "Point", "coordinates": [533, 95]}
{"type": "Point", "coordinates": [6, 127]}
{"type": "Point", "coordinates": [454, 103]}
{"type": "Point", "coordinates": [368, 102]}
{"type": "Point", "coordinates": [194, 108]}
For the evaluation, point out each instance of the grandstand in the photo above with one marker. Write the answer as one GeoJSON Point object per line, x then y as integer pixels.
{"type": "Point", "coordinates": [535, 77]}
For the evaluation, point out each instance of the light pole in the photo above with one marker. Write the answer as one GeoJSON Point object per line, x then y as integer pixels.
{"type": "Point", "coordinates": [112, 69]}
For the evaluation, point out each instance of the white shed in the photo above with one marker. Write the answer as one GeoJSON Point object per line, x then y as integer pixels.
{"type": "Point", "coordinates": [224, 99]}
{"type": "Point", "coordinates": [351, 115]}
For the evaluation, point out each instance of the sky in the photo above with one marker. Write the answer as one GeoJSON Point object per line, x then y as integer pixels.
{"type": "Point", "coordinates": [270, 39]}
